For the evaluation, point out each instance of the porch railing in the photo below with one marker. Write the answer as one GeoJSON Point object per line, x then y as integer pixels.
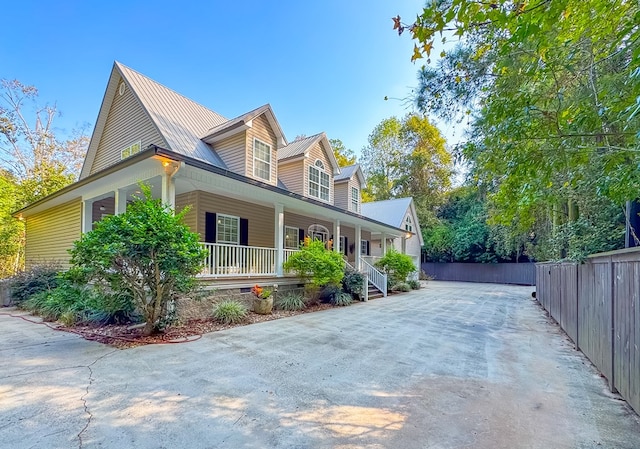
{"type": "Point", "coordinates": [376, 277]}
{"type": "Point", "coordinates": [235, 260]}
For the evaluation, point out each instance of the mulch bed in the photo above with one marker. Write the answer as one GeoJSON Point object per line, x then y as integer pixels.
{"type": "Point", "coordinates": [127, 336]}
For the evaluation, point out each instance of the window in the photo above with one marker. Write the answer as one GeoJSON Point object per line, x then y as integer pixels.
{"type": "Point", "coordinates": [408, 224]}
{"type": "Point", "coordinates": [291, 237]}
{"type": "Point", "coordinates": [343, 245]}
{"type": "Point", "coordinates": [318, 232]}
{"type": "Point", "coordinates": [318, 181]}
{"type": "Point", "coordinates": [228, 229]}
{"type": "Point", "coordinates": [355, 199]}
{"type": "Point", "coordinates": [130, 150]}
{"type": "Point", "coordinates": [364, 247]}
{"type": "Point", "coordinates": [261, 160]}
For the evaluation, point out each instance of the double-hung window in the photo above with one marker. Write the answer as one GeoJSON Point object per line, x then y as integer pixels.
{"type": "Point", "coordinates": [318, 181]}
{"type": "Point", "coordinates": [291, 237]}
{"type": "Point", "coordinates": [408, 224]}
{"type": "Point", "coordinates": [228, 229]}
{"type": "Point", "coordinates": [261, 160]}
{"type": "Point", "coordinates": [355, 199]}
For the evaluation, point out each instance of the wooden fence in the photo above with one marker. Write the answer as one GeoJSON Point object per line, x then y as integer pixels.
{"type": "Point", "coordinates": [498, 273]}
{"type": "Point", "coordinates": [598, 305]}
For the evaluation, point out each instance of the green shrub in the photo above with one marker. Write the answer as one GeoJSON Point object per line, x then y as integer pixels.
{"type": "Point", "coordinates": [329, 292]}
{"type": "Point", "coordinates": [290, 301]}
{"type": "Point", "coordinates": [230, 311]}
{"type": "Point", "coordinates": [342, 299]}
{"type": "Point", "coordinates": [415, 285]}
{"type": "Point", "coordinates": [401, 287]}
{"type": "Point", "coordinates": [316, 264]}
{"type": "Point", "coordinates": [397, 266]}
{"type": "Point", "coordinates": [37, 279]}
{"type": "Point", "coordinates": [353, 282]}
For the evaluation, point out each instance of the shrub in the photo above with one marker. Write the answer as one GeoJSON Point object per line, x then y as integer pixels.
{"type": "Point", "coordinates": [329, 293]}
{"type": "Point", "coordinates": [398, 266]}
{"type": "Point", "coordinates": [342, 299]}
{"type": "Point", "coordinates": [353, 282]}
{"type": "Point", "coordinates": [230, 311]}
{"type": "Point", "coordinates": [290, 301]}
{"type": "Point", "coordinates": [415, 285]}
{"type": "Point", "coordinates": [146, 253]}
{"type": "Point", "coordinates": [401, 287]}
{"type": "Point", "coordinates": [316, 264]}
{"type": "Point", "coordinates": [37, 279]}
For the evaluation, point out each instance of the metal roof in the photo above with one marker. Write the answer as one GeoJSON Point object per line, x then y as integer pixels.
{"type": "Point", "coordinates": [298, 147]}
{"type": "Point", "coordinates": [391, 212]}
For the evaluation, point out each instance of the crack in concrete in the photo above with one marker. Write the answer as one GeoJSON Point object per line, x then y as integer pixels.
{"type": "Point", "coordinates": [83, 398]}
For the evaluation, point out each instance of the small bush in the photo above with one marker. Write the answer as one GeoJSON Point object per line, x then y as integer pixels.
{"type": "Point", "coordinates": [415, 285]}
{"type": "Point", "coordinates": [316, 264]}
{"type": "Point", "coordinates": [401, 287]}
{"type": "Point", "coordinates": [397, 265]}
{"type": "Point", "coordinates": [353, 282]}
{"type": "Point", "coordinates": [424, 276]}
{"type": "Point", "coordinates": [329, 293]}
{"type": "Point", "coordinates": [290, 301]}
{"type": "Point", "coordinates": [230, 311]}
{"type": "Point", "coordinates": [342, 299]}
{"type": "Point", "coordinates": [37, 279]}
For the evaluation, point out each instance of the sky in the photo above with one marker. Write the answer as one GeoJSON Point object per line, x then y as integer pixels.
{"type": "Point", "coordinates": [322, 65]}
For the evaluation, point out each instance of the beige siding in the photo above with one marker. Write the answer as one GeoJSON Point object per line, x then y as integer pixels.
{"type": "Point", "coordinates": [52, 232]}
{"type": "Point", "coordinates": [316, 152]}
{"type": "Point", "coordinates": [127, 123]}
{"type": "Point", "coordinates": [292, 176]}
{"type": "Point", "coordinates": [189, 199]}
{"type": "Point", "coordinates": [342, 195]}
{"type": "Point", "coordinates": [233, 152]}
{"type": "Point", "coordinates": [302, 222]}
{"type": "Point", "coordinates": [261, 219]}
{"type": "Point", "coordinates": [261, 130]}
{"type": "Point", "coordinates": [108, 208]}
{"type": "Point", "coordinates": [350, 234]}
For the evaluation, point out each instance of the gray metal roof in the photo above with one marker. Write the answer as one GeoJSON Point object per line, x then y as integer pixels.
{"type": "Point", "coordinates": [298, 147]}
{"type": "Point", "coordinates": [181, 121]}
{"type": "Point", "coordinates": [391, 212]}
{"type": "Point", "coordinates": [346, 172]}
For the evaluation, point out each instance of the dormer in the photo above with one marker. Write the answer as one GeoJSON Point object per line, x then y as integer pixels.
{"type": "Point", "coordinates": [308, 166]}
{"type": "Point", "coordinates": [348, 188]}
{"type": "Point", "coordinates": [249, 144]}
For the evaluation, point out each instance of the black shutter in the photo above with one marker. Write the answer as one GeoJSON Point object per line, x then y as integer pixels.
{"type": "Point", "coordinates": [244, 232]}
{"type": "Point", "coordinates": [300, 236]}
{"type": "Point", "coordinates": [210, 227]}
{"type": "Point", "coordinates": [368, 248]}
{"type": "Point", "coordinates": [345, 250]}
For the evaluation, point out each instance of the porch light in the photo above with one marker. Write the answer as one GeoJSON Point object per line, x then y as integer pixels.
{"type": "Point", "coordinates": [408, 235]}
{"type": "Point", "coordinates": [20, 217]}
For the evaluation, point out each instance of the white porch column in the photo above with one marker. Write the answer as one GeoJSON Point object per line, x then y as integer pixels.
{"type": "Point", "coordinates": [168, 191]}
{"type": "Point", "coordinates": [87, 216]}
{"type": "Point", "coordinates": [404, 245]}
{"type": "Point", "coordinates": [358, 248]}
{"type": "Point", "coordinates": [384, 244]}
{"type": "Point", "coordinates": [278, 237]}
{"type": "Point", "coordinates": [336, 236]}
{"type": "Point", "coordinates": [120, 200]}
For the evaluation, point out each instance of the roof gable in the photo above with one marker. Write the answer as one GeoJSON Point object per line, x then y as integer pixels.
{"type": "Point", "coordinates": [348, 172]}
{"type": "Point", "coordinates": [393, 212]}
{"type": "Point", "coordinates": [301, 147]}
{"type": "Point", "coordinates": [179, 120]}
{"type": "Point", "coordinates": [244, 122]}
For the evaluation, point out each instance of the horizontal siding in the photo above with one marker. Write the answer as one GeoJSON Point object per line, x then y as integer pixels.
{"type": "Point", "coordinates": [107, 204]}
{"type": "Point", "coordinates": [292, 175]}
{"type": "Point", "coordinates": [233, 152]}
{"type": "Point", "coordinates": [302, 222]}
{"type": "Point", "coordinates": [261, 219]}
{"type": "Point", "coordinates": [189, 199]}
{"type": "Point", "coordinates": [126, 124]}
{"type": "Point", "coordinates": [49, 234]}
{"type": "Point", "coordinates": [341, 193]}
{"type": "Point", "coordinates": [261, 130]}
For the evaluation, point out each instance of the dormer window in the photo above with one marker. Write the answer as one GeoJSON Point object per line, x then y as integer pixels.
{"type": "Point", "coordinates": [318, 181]}
{"type": "Point", "coordinates": [355, 199]}
{"type": "Point", "coordinates": [408, 224]}
{"type": "Point", "coordinates": [261, 160]}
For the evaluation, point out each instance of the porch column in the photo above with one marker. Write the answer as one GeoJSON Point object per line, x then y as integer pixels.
{"type": "Point", "coordinates": [336, 236]}
{"type": "Point", "coordinates": [87, 216]}
{"type": "Point", "coordinates": [358, 248]}
{"type": "Point", "coordinates": [120, 200]}
{"type": "Point", "coordinates": [384, 244]}
{"type": "Point", "coordinates": [404, 245]}
{"type": "Point", "coordinates": [278, 237]}
{"type": "Point", "coordinates": [168, 191]}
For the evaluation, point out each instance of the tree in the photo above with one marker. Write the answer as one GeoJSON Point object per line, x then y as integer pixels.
{"type": "Point", "coordinates": [408, 157]}
{"type": "Point", "coordinates": [146, 252]}
{"type": "Point", "coordinates": [11, 230]}
{"type": "Point", "coordinates": [344, 155]}
{"type": "Point", "coordinates": [551, 92]}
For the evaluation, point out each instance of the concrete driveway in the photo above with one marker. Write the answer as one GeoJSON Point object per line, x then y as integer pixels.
{"type": "Point", "coordinates": [450, 366]}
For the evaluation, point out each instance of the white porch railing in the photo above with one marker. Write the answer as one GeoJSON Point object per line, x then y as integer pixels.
{"type": "Point", "coordinates": [376, 277]}
{"type": "Point", "coordinates": [225, 260]}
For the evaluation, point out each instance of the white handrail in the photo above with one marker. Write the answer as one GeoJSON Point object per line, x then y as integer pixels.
{"type": "Point", "coordinates": [376, 277]}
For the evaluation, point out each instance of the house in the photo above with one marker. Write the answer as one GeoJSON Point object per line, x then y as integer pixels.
{"type": "Point", "coordinates": [400, 213]}
{"type": "Point", "coordinates": [253, 194]}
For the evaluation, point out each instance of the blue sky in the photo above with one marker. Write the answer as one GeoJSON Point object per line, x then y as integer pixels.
{"type": "Point", "coordinates": [323, 66]}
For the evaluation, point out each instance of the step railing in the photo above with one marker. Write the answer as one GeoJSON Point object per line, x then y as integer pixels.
{"type": "Point", "coordinates": [375, 276]}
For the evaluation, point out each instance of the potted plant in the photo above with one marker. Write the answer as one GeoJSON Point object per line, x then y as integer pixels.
{"type": "Point", "coordinates": [263, 301]}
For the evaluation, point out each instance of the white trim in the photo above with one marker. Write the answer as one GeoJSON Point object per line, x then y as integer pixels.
{"type": "Point", "coordinates": [364, 243]}
{"type": "Point", "coordinates": [320, 171]}
{"type": "Point", "coordinates": [357, 200]}
{"type": "Point", "coordinates": [269, 162]}
{"type": "Point", "coordinates": [237, 242]}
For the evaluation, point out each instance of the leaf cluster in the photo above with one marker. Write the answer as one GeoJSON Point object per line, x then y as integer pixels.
{"type": "Point", "coordinates": [316, 264]}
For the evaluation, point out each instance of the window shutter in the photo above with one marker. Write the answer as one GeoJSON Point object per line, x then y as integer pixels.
{"type": "Point", "coordinates": [210, 227]}
{"type": "Point", "coordinates": [300, 236]}
{"type": "Point", "coordinates": [244, 232]}
{"type": "Point", "coordinates": [345, 250]}
{"type": "Point", "coordinates": [368, 248]}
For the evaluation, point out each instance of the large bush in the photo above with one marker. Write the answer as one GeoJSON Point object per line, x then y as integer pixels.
{"type": "Point", "coordinates": [146, 252]}
{"type": "Point", "coordinates": [353, 282]}
{"type": "Point", "coordinates": [316, 264]}
{"type": "Point", "coordinates": [39, 278]}
{"type": "Point", "coordinates": [397, 266]}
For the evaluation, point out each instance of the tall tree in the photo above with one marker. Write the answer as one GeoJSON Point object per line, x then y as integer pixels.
{"type": "Point", "coordinates": [551, 91]}
{"type": "Point", "coordinates": [344, 155]}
